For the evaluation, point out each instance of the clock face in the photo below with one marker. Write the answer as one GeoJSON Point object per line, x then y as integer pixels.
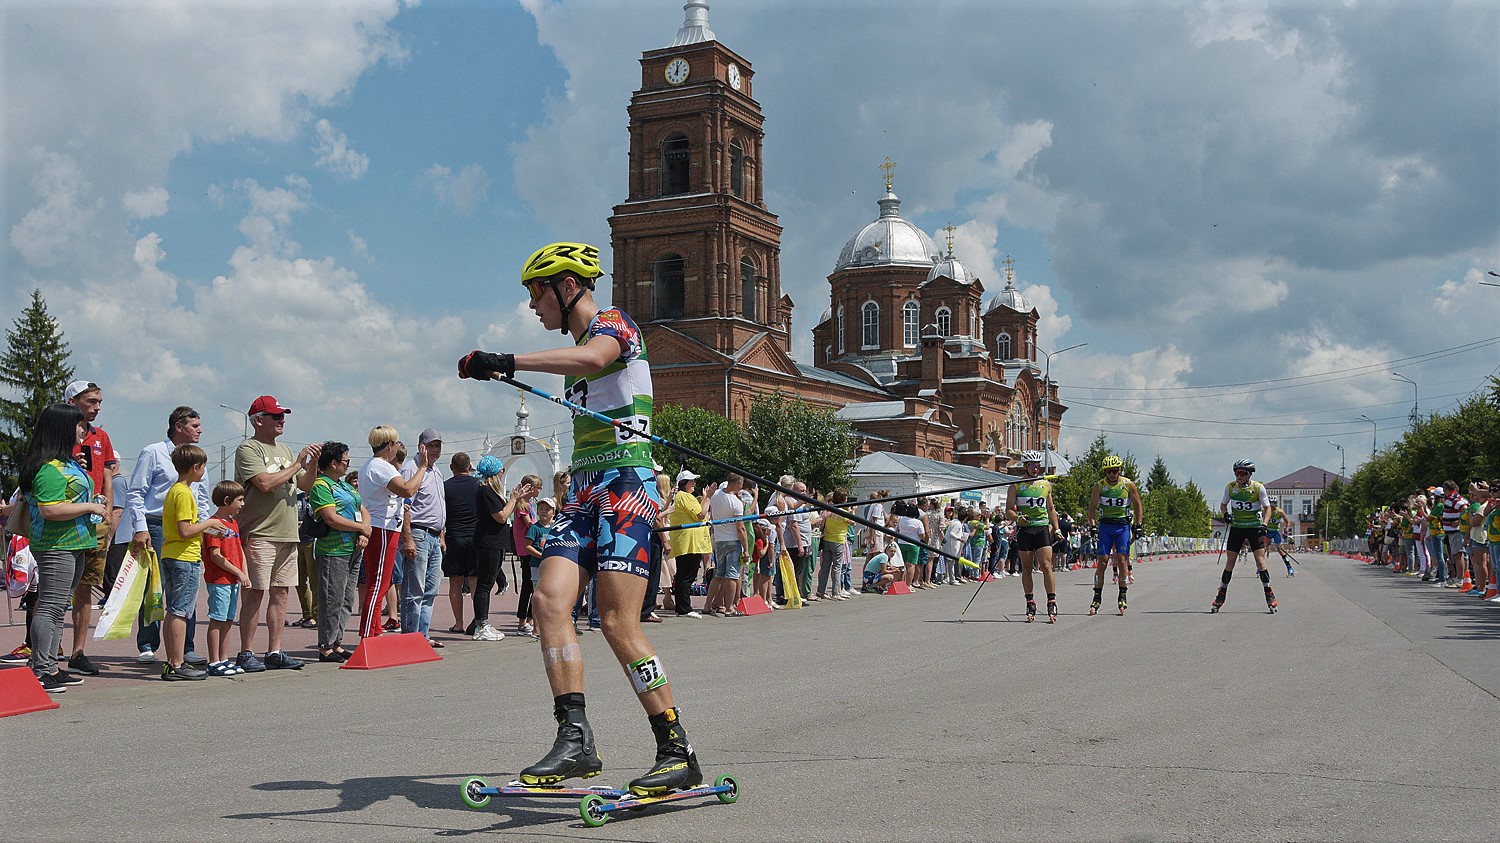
{"type": "Point", "coordinates": [677, 71]}
{"type": "Point", "coordinates": [734, 76]}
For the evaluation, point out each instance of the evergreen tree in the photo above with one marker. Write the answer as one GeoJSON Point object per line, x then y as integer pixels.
{"type": "Point", "coordinates": [34, 369]}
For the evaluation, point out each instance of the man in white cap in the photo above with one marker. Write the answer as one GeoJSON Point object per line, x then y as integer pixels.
{"type": "Point", "coordinates": [423, 545]}
{"type": "Point", "coordinates": [97, 456]}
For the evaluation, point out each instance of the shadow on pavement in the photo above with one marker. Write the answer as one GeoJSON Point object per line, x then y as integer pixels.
{"type": "Point", "coordinates": [1470, 618]}
{"type": "Point", "coordinates": [357, 795]}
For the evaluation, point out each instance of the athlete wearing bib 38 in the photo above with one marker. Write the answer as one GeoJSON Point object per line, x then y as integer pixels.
{"type": "Point", "coordinates": [1245, 506]}
{"type": "Point", "coordinates": [1114, 500]}
{"type": "Point", "coordinates": [603, 530]}
{"type": "Point", "coordinates": [1029, 505]}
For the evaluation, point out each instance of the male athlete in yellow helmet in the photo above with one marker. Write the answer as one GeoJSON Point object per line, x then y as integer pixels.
{"type": "Point", "coordinates": [1110, 507]}
{"type": "Point", "coordinates": [604, 528]}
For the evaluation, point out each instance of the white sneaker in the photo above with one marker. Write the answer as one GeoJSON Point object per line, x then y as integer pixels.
{"type": "Point", "coordinates": [486, 632]}
{"type": "Point", "coordinates": [147, 655]}
{"type": "Point", "coordinates": [695, 614]}
{"type": "Point", "coordinates": [524, 629]}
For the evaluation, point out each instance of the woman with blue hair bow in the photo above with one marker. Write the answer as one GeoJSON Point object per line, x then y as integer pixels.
{"type": "Point", "coordinates": [494, 510]}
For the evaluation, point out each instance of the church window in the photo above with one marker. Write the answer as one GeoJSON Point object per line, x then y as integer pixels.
{"type": "Point", "coordinates": [668, 287]}
{"type": "Point", "coordinates": [736, 169]}
{"type": "Point", "coordinates": [1002, 346]}
{"type": "Point", "coordinates": [748, 297]}
{"type": "Point", "coordinates": [910, 315]}
{"type": "Point", "coordinates": [841, 330]}
{"type": "Point", "coordinates": [870, 316]}
{"type": "Point", "coordinates": [674, 165]}
{"type": "Point", "coordinates": [944, 318]}
{"type": "Point", "coordinates": [974, 324]}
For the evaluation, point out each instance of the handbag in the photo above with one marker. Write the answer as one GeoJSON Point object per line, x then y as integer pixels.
{"type": "Point", "coordinates": [311, 525]}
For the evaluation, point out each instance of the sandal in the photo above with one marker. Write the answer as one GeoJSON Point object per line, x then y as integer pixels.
{"type": "Point", "coordinates": [456, 631]}
{"type": "Point", "coordinates": [307, 623]}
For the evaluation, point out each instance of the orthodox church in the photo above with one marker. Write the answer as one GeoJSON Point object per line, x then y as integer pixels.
{"type": "Point", "coordinates": [908, 351]}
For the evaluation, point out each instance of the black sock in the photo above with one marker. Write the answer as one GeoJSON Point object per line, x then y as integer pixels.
{"type": "Point", "coordinates": [1051, 597]}
{"type": "Point", "coordinates": [563, 703]}
{"type": "Point", "coordinates": [1265, 577]}
{"type": "Point", "coordinates": [1227, 576]}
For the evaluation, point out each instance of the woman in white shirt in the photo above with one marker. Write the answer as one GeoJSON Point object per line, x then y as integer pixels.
{"type": "Point", "coordinates": [383, 491]}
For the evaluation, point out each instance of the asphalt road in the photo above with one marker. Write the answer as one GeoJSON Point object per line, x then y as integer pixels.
{"type": "Point", "coordinates": [1362, 711]}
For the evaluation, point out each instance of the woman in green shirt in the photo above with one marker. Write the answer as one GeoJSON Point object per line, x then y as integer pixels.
{"type": "Point", "coordinates": [59, 501]}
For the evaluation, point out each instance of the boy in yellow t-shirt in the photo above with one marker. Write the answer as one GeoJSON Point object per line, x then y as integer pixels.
{"type": "Point", "coordinates": [182, 557]}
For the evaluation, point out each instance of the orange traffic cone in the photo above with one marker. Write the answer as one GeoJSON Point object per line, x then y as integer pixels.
{"type": "Point", "coordinates": [1468, 583]}
{"type": "Point", "coordinates": [1492, 591]}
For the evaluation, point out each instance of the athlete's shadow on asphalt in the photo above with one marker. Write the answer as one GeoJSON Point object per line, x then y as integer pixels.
{"type": "Point", "coordinates": [356, 795]}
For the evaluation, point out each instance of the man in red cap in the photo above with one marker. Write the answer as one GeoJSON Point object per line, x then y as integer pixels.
{"type": "Point", "coordinates": [268, 528]}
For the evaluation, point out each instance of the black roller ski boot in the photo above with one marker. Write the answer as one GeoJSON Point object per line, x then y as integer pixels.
{"type": "Point", "coordinates": [1098, 598]}
{"type": "Point", "coordinates": [1051, 610]}
{"type": "Point", "coordinates": [1122, 603]}
{"type": "Point", "coordinates": [1218, 600]}
{"type": "Point", "coordinates": [676, 766]}
{"type": "Point", "coordinates": [1030, 609]}
{"type": "Point", "coordinates": [1270, 601]}
{"type": "Point", "coordinates": [573, 754]}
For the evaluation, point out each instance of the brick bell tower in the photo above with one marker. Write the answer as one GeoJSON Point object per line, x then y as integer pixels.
{"type": "Point", "coordinates": [695, 249]}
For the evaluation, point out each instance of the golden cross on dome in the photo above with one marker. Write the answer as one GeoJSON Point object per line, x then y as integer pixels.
{"type": "Point", "coordinates": [950, 229]}
{"type": "Point", "coordinates": [1010, 269]}
{"type": "Point", "coordinates": [888, 166]}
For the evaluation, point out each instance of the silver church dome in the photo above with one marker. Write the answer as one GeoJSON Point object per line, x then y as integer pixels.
{"type": "Point", "coordinates": [951, 267]}
{"type": "Point", "coordinates": [888, 241]}
{"type": "Point", "coordinates": [1011, 298]}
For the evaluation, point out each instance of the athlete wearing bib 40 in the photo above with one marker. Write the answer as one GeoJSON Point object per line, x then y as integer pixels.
{"type": "Point", "coordinates": [1114, 500]}
{"type": "Point", "coordinates": [1245, 506]}
{"type": "Point", "coordinates": [1029, 505]}
{"type": "Point", "coordinates": [603, 530]}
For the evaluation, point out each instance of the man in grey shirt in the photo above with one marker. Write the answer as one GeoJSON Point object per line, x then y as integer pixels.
{"type": "Point", "coordinates": [422, 548]}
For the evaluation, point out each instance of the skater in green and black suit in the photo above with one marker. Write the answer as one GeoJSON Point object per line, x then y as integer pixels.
{"type": "Point", "coordinates": [1029, 504]}
{"type": "Point", "coordinates": [1245, 506]}
{"type": "Point", "coordinates": [603, 530]}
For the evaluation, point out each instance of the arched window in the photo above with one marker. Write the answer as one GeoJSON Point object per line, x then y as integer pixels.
{"type": "Point", "coordinates": [841, 330]}
{"type": "Point", "coordinates": [944, 318]}
{"type": "Point", "coordinates": [910, 315]}
{"type": "Point", "coordinates": [736, 169]}
{"type": "Point", "coordinates": [674, 165]}
{"type": "Point", "coordinates": [748, 298]}
{"type": "Point", "coordinates": [667, 291]}
{"type": "Point", "coordinates": [974, 324]}
{"type": "Point", "coordinates": [870, 317]}
{"type": "Point", "coordinates": [1002, 346]}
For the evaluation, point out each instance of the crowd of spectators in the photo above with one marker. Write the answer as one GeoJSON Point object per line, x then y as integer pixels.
{"type": "Point", "coordinates": [368, 546]}
{"type": "Point", "coordinates": [1441, 537]}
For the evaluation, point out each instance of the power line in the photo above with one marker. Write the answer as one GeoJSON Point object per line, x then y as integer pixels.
{"type": "Point", "coordinates": [1305, 380]}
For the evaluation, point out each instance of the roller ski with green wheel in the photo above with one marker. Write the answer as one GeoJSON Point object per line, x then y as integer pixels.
{"type": "Point", "coordinates": [1094, 607]}
{"type": "Point", "coordinates": [598, 802]}
{"type": "Point", "coordinates": [1122, 607]}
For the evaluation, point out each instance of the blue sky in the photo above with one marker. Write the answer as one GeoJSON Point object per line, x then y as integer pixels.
{"type": "Point", "coordinates": [330, 203]}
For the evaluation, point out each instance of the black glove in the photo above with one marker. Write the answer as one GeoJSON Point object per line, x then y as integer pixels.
{"type": "Point", "coordinates": [484, 365]}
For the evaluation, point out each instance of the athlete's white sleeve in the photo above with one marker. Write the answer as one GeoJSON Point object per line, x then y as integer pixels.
{"type": "Point", "coordinates": [1265, 498]}
{"type": "Point", "coordinates": [1225, 501]}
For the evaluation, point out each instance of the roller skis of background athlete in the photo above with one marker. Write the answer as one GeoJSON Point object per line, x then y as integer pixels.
{"type": "Point", "coordinates": [597, 803]}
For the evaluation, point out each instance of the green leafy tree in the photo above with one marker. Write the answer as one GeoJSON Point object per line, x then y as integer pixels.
{"type": "Point", "coordinates": [696, 428]}
{"type": "Point", "coordinates": [1072, 493]}
{"type": "Point", "coordinates": [35, 370]}
{"type": "Point", "coordinates": [785, 435]}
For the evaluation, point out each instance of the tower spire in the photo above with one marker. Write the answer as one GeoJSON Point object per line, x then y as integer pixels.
{"type": "Point", "coordinates": [695, 27]}
{"type": "Point", "coordinates": [950, 229]}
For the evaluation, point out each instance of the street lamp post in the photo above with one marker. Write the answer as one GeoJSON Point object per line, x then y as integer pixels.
{"type": "Point", "coordinates": [1047, 406]}
{"type": "Point", "coordinates": [1341, 457]}
{"type": "Point", "coordinates": [1374, 433]}
{"type": "Point", "coordinates": [1403, 378]}
{"type": "Point", "coordinates": [243, 413]}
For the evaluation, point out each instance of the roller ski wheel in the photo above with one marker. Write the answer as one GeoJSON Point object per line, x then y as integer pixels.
{"type": "Point", "coordinates": [732, 792]}
{"type": "Point", "coordinates": [472, 793]}
{"type": "Point", "coordinates": [1051, 613]}
{"type": "Point", "coordinates": [1271, 606]}
{"type": "Point", "coordinates": [1094, 608]}
{"type": "Point", "coordinates": [590, 810]}
{"type": "Point", "coordinates": [1122, 608]}
{"type": "Point", "coordinates": [1030, 611]}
